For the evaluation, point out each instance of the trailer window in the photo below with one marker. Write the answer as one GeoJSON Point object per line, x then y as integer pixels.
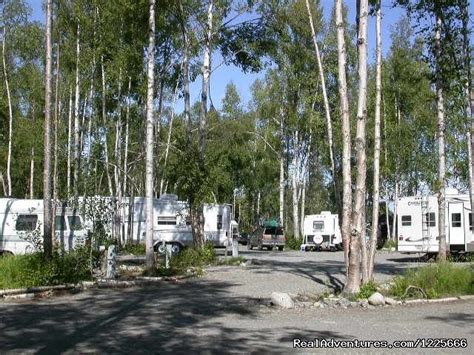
{"type": "Point", "coordinates": [455, 220]}
{"type": "Point", "coordinates": [167, 220]}
{"type": "Point", "coordinates": [470, 222]}
{"type": "Point", "coordinates": [219, 221]}
{"type": "Point", "coordinates": [26, 222]}
{"type": "Point", "coordinates": [60, 223]}
{"type": "Point", "coordinates": [430, 219]}
{"type": "Point", "coordinates": [318, 226]}
{"type": "Point", "coordinates": [406, 220]}
{"type": "Point", "coordinates": [74, 223]}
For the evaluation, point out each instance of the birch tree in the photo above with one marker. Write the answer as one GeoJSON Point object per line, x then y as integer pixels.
{"type": "Point", "coordinates": [149, 137]}
{"type": "Point", "coordinates": [10, 111]}
{"type": "Point", "coordinates": [346, 137]}
{"type": "Point", "coordinates": [47, 181]}
{"type": "Point", "coordinates": [378, 99]}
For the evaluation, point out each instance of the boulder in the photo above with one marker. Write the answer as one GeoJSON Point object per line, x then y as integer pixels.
{"type": "Point", "coordinates": [390, 301]}
{"type": "Point", "coordinates": [282, 299]}
{"type": "Point", "coordinates": [376, 299]}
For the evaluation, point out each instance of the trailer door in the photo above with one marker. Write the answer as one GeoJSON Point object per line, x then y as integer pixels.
{"type": "Point", "coordinates": [456, 230]}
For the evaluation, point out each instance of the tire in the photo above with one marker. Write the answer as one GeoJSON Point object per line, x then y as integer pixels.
{"type": "Point", "coordinates": [160, 248]}
{"type": "Point", "coordinates": [176, 248]}
{"type": "Point", "coordinates": [280, 248]}
{"type": "Point", "coordinates": [332, 249]}
{"type": "Point", "coordinates": [249, 246]}
{"type": "Point", "coordinates": [270, 248]}
{"type": "Point", "coordinates": [260, 247]}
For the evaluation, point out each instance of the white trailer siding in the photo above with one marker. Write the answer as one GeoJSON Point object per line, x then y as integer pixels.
{"type": "Point", "coordinates": [418, 223]}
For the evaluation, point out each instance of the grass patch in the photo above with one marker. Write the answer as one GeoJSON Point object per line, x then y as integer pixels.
{"type": "Point", "coordinates": [134, 249]}
{"type": "Point", "coordinates": [390, 243]}
{"type": "Point", "coordinates": [18, 271]}
{"type": "Point", "coordinates": [366, 290]}
{"type": "Point", "coordinates": [435, 281]}
{"type": "Point", "coordinates": [294, 243]}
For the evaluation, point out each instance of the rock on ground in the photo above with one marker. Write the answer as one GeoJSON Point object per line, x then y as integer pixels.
{"type": "Point", "coordinates": [282, 299]}
{"type": "Point", "coordinates": [376, 299]}
{"type": "Point", "coordinates": [390, 301]}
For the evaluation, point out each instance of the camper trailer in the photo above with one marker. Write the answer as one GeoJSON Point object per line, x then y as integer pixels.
{"type": "Point", "coordinates": [321, 231]}
{"type": "Point", "coordinates": [418, 223]}
{"type": "Point", "coordinates": [21, 226]}
{"type": "Point", "coordinates": [172, 225]}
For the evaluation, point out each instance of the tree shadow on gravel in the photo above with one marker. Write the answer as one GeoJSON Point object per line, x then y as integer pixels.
{"type": "Point", "coordinates": [189, 317]}
{"type": "Point", "coordinates": [462, 320]}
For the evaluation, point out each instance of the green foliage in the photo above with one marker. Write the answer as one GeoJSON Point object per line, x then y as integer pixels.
{"type": "Point", "coordinates": [196, 258]}
{"type": "Point", "coordinates": [294, 243]}
{"type": "Point", "coordinates": [34, 270]}
{"type": "Point", "coordinates": [366, 290]}
{"type": "Point", "coordinates": [437, 280]}
{"type": "Point", "coordinates": [134, 249]}
{"type": "Point", "coordinates": [390, 243]}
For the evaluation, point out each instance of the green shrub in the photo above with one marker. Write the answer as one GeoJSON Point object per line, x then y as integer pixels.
{"type": "Point", "coordinates": [436, 280]}
{"type": "Point", "coordinates": [366, 290]}
{"type": "Point", "coordinates": [294, 243]}
{"type": "Point", "coordinates": [190, 257]}
{"type": "Point", "coordinates": [390, 243]}
{"type": "Point", "coordinates": [134, 249]}
{"type": "Point", "coordinates": [34, 270]}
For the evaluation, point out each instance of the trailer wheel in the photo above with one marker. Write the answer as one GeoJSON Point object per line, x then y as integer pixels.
{"type": "Point", "coordinates": [160, 248]}
{"type": "Point", "coordinates": [333, 249]}
{"type": "Point", "coordinates": [176, 248]}
{"type": "Point", "coordinates": [280, 248]}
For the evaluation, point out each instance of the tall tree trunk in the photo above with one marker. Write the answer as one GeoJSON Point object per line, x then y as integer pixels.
{"type": "Point", "coordinates": [282, 167]}
{"type": "Point", "coordinates": [149, 138]}
{"type": "Point", "coordinates": [47, 181]}
{"type": "Point", "coordinates": [10, 114]}
{"type": "Point", "coordinates": [187, 100]}
{"type": "Point", "coordinates": [104, 121]}
{"type": "Point", "coordinates": [441, 149]}
{"type": "Point", "coordinates": [69, 145]}
{"type": "Point", "coordinates": [206, 73]}
{"type": "Point", "coordinates": [57, 109]}
{"type": "Point", "coordinates": [327, 108]}
{"type": "Point", "coordinates": [125, 153]}
{"type": "Point", "coordinates": [294, 185]}
{"type": "Point", "coordinates": [346, 135]}
{"type": "Point", "coordinates": [378, 99]}
{"type": "Point", "coordinates": [32, 173]}
{"type": "Point", "coordinates": [77, 128]}
{"type": "Point", "coordinates": [468, 96]}
{"type": "Point", "coordinates": [358, 242]}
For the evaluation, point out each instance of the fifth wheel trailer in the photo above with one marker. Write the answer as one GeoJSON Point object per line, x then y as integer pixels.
{"type": "Point", "coordinates": [418, 223]}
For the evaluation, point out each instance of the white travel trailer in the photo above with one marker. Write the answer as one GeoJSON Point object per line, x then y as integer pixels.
{"type": "Point", "coordinates": [418, 223]}
{"type": "Point", "coordinates": [321, 231]}
{"type": "Point", "coordinates": [21, 226]}
{"type": "Point", "coordinates": [172, 225]}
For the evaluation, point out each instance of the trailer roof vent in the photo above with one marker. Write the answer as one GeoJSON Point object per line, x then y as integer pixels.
{"type": "Point", "coordinates": [169, 197]}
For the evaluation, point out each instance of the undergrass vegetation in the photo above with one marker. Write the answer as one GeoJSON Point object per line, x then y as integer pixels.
{"type": "Point", "coordinates": [17, 271]}
{"type": "Point", "coordinates": [366, 290]}
{"type": "Point", "coordinates": [435, 281]}
{"type": "Point", "coordinates": [134, 249]}
{"type": "Point", "coordinates": [294, 243]}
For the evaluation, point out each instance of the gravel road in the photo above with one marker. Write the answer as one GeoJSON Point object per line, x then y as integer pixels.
{"type": "Point", "coordinates": [221, 313]}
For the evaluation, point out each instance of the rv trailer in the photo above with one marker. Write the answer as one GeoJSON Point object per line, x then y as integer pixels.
{"type": "Point", "coordinates": [21, 226]}
{"type": "Point", "coordinates": [417, 222]}
{"type": "Point", "coordinates": [321, 231]}
{"type": "Point", "coordinates": [171, 223]}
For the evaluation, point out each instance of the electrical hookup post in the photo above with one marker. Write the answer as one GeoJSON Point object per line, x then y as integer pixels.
{"type": "Point", "coordinates": [111, 263]}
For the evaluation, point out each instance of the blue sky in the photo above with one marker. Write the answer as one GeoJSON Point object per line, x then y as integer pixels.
{"type": "Point", "coordinates": [225, 74]}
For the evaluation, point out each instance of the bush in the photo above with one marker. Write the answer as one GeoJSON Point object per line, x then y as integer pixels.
{"type": "Point", "coordinates": [366, 290]}
{"type": "Point", "coordinates": [190, 257]}
{"type": "Point", "coordinates": [436, 280]}
{"type": "Point", "coordinates": [34, 270]}
{"type": "Point", "coordinates": [134, 249]}
{"type": "Point", "coordinates": [390, 243]}
{"type": "Point", "coordinates": [294, 243]}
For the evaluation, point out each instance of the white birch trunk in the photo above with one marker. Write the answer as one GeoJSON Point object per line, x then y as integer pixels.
{"type": "Point", "coordinates": [206, 73]}
{"type": "Point", "coordinates": [358, 214]}
{"type": "Point", "coordinates": [47, 181]}
{"type": "Point", "coordinates": [32, 173]}
{"type": "Point", "coordinates": [346, 135]}
{"type": "Point", "coordinates": [149, 138]}
{"type": "Point", "coordinates": [441, 150]}
{"type": "Point", "coordinates": [282, 170]}
{"type": "Point", "coordinates": [57, 110]}
{"type": "Point", "coordinates": [125, 154]}
{"type": "Point", "coordinates": [10, 114]}
{"type": "Point", "coordinates": [294, 185]}
{"type": "Point", "coordinates": [104, 120]}
{"type": "Point", "coordinates": [327, 108]}
{"type": "Point", "coordinates": [69, 145]}
{"type": "Point", "coordinates": [76, 144]}
{"type": "Point", "coordinates": [378, 99]}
